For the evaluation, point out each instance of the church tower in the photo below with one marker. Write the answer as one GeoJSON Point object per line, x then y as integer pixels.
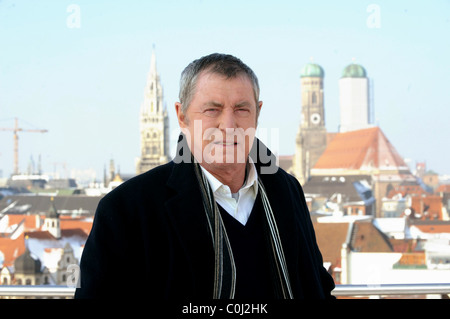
{"type": "Point", "coordinates": [154, 124]}
{"type": "Point", "coordinates": [311, 138]}
{"type": "Point", "coordinates": [52, 222]}
{"type": "Point", "coordinates": [354, 99]}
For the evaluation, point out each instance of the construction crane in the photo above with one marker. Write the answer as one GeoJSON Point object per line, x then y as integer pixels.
{"type": "Point", "coordinates": [15, 130]}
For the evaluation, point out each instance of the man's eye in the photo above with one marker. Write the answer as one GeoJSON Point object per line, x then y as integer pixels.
{"type": "Point", "coordinates": [242, 112]}
{"type": "Point", "coordinates": [211, 112]}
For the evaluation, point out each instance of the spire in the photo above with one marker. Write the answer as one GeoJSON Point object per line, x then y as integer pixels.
{"type": "Point", "coordinates": [52, 212]}
{"type": "Point", "coordinates": [52, 222]}
{"type": "Point", "coordinates": [153, 90]}
{"type": "Point", "coordinates": [152, 76]}
{"type": "Point", "coordinates": [153, 71]}
{"type": "Point", "coordinates": [39, 165]}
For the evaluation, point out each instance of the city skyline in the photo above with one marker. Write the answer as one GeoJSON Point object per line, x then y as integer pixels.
{"type": "Point", "coordinates": [79, 70]}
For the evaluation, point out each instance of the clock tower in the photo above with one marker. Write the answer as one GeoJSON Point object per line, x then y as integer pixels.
{"type": "Point", "coordinates": [311, 138]}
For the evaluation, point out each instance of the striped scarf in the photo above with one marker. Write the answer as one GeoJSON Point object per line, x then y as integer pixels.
{"type": "Point", "coordinates": [224, 266]}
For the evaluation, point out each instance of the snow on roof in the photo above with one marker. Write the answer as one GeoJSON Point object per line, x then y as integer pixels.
{"type": "Point", "coordinates": [39, 241]}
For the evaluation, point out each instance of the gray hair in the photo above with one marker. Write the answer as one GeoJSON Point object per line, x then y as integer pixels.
{"type": "Point", "coordinates": [223, 64]}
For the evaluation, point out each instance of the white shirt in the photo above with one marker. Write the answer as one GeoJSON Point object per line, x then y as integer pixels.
{"type": "Point", "coordinates": [238, 205]}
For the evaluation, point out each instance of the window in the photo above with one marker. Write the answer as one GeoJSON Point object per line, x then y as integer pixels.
{"type": "Point", "coordinates": [314, 98]}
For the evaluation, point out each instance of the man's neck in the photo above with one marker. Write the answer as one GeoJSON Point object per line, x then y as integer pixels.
{"type": "Point", "coordinates": [231, 175]}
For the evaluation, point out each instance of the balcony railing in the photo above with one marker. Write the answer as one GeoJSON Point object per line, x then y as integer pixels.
{"type": "Point", "coordinates": [391, 289]}
{"type": "Point", "coordinates": [340, 290]}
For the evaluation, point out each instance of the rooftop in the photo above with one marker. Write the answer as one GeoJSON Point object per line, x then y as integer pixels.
{"type": "Point", "coordinates": [36, 204]}
{"type": "Point", "coordinates": [366, 149]}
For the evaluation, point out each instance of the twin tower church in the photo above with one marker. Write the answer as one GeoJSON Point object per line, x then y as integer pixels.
{"type": "Point", "coordinates": [355, 114]}
{"type": "Point", "coordinates": [312, 137]}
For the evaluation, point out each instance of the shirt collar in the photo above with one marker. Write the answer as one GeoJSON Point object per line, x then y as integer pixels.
{"type": "Point", "coordinates": [250, 182]}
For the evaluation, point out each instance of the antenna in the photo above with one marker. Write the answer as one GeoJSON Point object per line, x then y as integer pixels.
{"type": "Point", "coordinates": [371, 104]}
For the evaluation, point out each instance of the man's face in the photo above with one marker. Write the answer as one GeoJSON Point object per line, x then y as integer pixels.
{"type": "Point", "coordinates": [220, 123]}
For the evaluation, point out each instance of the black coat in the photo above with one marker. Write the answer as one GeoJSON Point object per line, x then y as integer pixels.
{"type": "Point", "coordinates": [150, 238]}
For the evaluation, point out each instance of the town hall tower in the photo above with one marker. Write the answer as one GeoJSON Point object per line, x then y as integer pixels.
{"type": "Point", "coordinates": [154, 124]}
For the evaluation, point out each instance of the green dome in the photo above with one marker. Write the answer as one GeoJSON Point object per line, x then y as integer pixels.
{"type": "Point", "coordinates": [354, 71]}
{"type": "Point", "coordinates": [312, 70]}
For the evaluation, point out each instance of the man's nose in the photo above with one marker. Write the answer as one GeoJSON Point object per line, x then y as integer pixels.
{"type": "Point", "coordinates": [227, 119]}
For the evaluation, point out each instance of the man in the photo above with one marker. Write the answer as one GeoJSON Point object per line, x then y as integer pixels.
{"type": "Point", "coordinates": [220, 220]}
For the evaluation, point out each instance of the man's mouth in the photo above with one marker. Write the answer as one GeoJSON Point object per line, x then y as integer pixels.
{"type": "Point", "coordinates": [226, 143]}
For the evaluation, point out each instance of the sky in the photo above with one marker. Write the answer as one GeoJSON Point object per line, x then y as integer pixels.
{"type": "Point", "coordinates": [78, 69]}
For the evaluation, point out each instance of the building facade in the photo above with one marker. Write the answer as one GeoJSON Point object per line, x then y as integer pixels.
{"type": "Point", "coordinates": [154, 124]}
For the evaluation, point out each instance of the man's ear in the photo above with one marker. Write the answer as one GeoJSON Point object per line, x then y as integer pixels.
{"type": "Point", "coordinates": [258, 111]}
{"type": "Point", "coordinates": [182, 121]}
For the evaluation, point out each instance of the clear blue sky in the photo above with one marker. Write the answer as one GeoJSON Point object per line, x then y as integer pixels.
{"type": "Point", "coordinates": [85, 85]}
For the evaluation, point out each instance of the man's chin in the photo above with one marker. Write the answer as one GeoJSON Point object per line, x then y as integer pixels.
{"type": "Point", "coordinates": [217, 167]}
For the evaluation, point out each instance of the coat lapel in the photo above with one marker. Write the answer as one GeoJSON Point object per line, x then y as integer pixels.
{"type": "Point", "coordinates": [284, 209]}
{"type": "Point", "coordinates": [188, 217]}
{"type": "Point", "coordinates": [279, 197]}
{"type": "Point", "coordinates": [277, 190]}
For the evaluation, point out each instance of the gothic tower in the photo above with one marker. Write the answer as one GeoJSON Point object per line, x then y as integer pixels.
{"type": "Point", "coordinates": [154, 124]}
{"type": "Point", "coordinates": [311, 138]}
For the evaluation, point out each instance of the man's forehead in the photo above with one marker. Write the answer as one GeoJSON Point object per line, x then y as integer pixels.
{"type": "Point", "coordinates": [208, 87]}
{"type": "Point", "coordinates": [208, 74]}
{"type": "Point", "coordinates": [213, 84]}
